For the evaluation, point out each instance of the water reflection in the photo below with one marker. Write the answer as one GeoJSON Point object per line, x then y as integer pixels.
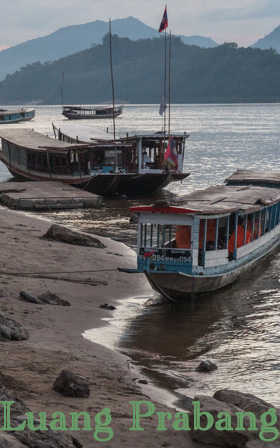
{"type": "Point", "coordinates": [237, 328]}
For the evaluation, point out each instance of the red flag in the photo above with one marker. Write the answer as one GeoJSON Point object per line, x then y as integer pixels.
{"type": "Point", "coordinates": [63, 75]}
{"type": "Point", "coordinates": [171, 153]}
{"type": "Point", "coordinates": [164, 22]}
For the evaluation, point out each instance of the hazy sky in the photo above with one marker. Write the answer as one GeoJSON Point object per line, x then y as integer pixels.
{"type": "Point", "coordinates": [242, 21]}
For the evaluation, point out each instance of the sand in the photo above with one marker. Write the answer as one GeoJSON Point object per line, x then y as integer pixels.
{"type": "Point", "coordinates": [55, 332]}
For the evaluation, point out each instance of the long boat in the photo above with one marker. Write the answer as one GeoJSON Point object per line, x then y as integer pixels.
{"type": "Point", "coordinates": [91, 113]}
{"type": "Point", "coordinates": [207, 239]}
{"type": "Point", "coordinates": [141, 170]}
{"type": "Point", "coordinates": [16, 116]}
{"type": "Point", "coordinates": [100, 167]}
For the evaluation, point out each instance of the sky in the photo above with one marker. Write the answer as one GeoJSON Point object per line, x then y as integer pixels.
{"type": "Point", "coordinates": [240, 21]}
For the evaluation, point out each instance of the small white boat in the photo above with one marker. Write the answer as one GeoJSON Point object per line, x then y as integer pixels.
{"type": "Point", "coordinates": [91, 113]}
{"type": "Point", "coordinates": [209, 238]}
{"type": "Point", "coordinates": [16, 116]}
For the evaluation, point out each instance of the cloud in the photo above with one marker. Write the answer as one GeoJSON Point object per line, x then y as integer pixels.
{"type": "Point", "coordinates": [245, 10]}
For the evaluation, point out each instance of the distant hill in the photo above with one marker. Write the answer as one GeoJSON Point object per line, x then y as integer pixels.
{"type": "Point", "coordinates": [224, 74]}
{"type": "Point", "coordinates": [71, 39]}
{"type": "Point", "coordinates": [272, 40]}
{"type": "Point", "coordinates": [199, 41]}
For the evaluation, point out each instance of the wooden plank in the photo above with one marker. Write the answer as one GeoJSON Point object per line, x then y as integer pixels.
{"type": "Point", "coordinates": [46, 195]}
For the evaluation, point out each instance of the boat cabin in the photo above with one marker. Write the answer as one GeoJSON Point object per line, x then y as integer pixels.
{"type": "Point", "coordinates": [146, 153]}
{"type": "Point", "coordinates": [209, 231]}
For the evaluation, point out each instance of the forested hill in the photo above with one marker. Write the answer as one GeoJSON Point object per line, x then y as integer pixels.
{"type": "Point", "coordinates": [225, 74]}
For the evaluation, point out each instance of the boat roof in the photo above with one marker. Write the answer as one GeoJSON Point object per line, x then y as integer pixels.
{"type": "Point", "coordinates": [85, 132]}
{"type": "Point", "coordinates": [154, 136]}
{"type": "Point", "coordinates": [91, 107]}
{"type": "Point", "coordinates": [220, 199]}
{"type": "Point", "coordinates": [14, 111]}
{"type": "Point", "coordinates": [27, 138]}
{"type": "Point", "coordinates": [249, 177]}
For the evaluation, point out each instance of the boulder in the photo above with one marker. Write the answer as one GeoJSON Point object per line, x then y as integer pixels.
{"type": "Point", "coordinates": [66, 235]}
{"type": "Point", "coordinates": [28, 438]}
{"type": "Point", "coordinates": [10, 330]}
{"type": "Point", "coordinates": [225, 438]}
{"type": "Point", "coordinates": [52, 299]}
{"type": "Point", "coordinates": [206, 366]}
{"type": "Point", "coordinates": [247, 402]}
{"type": "Point", "coordinates": [28, 298]}
{"type": "Point", "coordinates": [72, 385]}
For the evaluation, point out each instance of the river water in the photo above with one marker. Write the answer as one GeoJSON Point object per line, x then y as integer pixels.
{"type": "Point", "coordinates": [239, 327]}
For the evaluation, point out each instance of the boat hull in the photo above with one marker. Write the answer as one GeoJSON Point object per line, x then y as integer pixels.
{"type": "Point", "coordinates": [104, 184]}
{"type": "Point", "coordinates": [183, 286]}
{"type": "Point", "coordinates": [90, 117]}
{"type": "Point", "coordinates": [17, 119]}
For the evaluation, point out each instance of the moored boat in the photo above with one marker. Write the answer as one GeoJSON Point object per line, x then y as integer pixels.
{"type": "Point", "coordinates": [91, 113]}
{"type": "Point", "coordinates": [209, 238]}
{"type": "Point", "coordinates": [141, 171]}
{"type": "Point", "coordinates": [100, 167]}
{"type": "Point", "coordinates": [16, 116]}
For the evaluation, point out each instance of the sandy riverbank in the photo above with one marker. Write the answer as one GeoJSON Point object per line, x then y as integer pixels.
{"type": "Point", "coordinates": [55, 333]}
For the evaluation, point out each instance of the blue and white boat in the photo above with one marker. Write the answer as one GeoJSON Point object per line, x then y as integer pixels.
{"type": "Point", "coordinates": [16, 116]}
{"type": "Point", "coordinates": [209, 238]}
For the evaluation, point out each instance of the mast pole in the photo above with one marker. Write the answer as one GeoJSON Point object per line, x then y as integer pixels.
{"type": "Point", "coordinates": [164, 127]}
{"type": "Point", "coordinates": [169, 87]}
{"type": "Point", "coordinates": [62, 99]}
{"type": "Point", "coordinates": [113, 94]}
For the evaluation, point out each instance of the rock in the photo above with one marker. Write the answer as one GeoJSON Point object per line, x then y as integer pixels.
{"type": "Point", "coordinates": [133, 219]}
{"type": "Point", "coordinates": [206, 366]}
{"type": "Point", "coordinates": [10, 330]}
{"type": "Point", "coordinates": [28, 298]}
{"type": "Point", "coordinates": [52, 299]}
{"type": "Point", "coordinates": [108, 307]}
{"type": "Point", "coordinates": [143, 381]}
{"type": "Point", "coordinates": [65, 235]}
{"type": "Point", "coordinates": [247, 402]}
{"type": "Point", "coordinates": [236, 438]}
{"type": "Point", "coordinates": [8, 441]}
{"type": "Point", "coordinates": [72, 385]}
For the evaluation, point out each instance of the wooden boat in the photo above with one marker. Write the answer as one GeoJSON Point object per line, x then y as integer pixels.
{"type": "Point", "coordinates": [91, 113]}
{"type": "Point", "coordinates": [140, 170]}
{"type": "Point", "coordinates": [100, 167]}
{"type": "Point", "coordinates": [15, 116]}
{"type": "Point", "coordinates": [209, 238]}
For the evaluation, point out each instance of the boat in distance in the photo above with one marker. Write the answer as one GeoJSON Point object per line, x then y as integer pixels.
{"type": "Point", "coordinates": [16, 115]}
{"type": "Point", "coordinates": [91, 113]}
{"type": "Point", "coordinates": [207, 239]}
{"type": "Point", "coordinates": [102, 167]}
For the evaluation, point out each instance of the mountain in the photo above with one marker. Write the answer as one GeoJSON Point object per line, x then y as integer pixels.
{"type": "Point", "coordinates": [272, 40]}
{"type": "Point", "coordinates": [199, 41]}
{"type": "Point", "coordinates": [224, 74]}
{"type": "Point", "coordinates": [71, 39]}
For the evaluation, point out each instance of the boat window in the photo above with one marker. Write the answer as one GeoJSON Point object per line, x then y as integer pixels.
{"type": "Point", "coordinates": [163, 235]}
{"type": "Point", "coordinates": [213, 233]}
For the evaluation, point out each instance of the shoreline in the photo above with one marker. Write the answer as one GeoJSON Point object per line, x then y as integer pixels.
{"type": "Point", "coordinates": [56, 340]}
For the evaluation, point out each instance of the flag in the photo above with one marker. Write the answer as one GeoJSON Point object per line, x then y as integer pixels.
{"type": "Point", "coordinates": [171, 153]}
{"type": "Point", "coordinates": [164, 22]}
{"type": "Point", "coordinates": [63, 75]}
{"type": "Point", "coordinates": [163, 106]}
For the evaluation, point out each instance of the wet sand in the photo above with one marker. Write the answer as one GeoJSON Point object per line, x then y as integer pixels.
{"type": "Point", "coordinates": [55, 333]}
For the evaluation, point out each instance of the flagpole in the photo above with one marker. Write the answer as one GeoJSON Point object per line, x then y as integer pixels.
{"type": "Point", "coordinates": [169, 111]}
{"type": "Point", "coordinates": [113, 93]}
